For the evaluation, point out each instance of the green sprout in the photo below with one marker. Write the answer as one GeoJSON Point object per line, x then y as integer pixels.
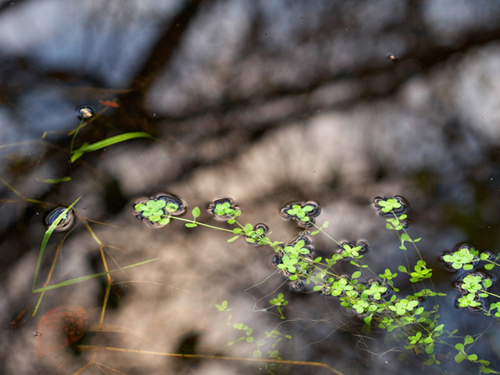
{"type": "Point", "coordinates": [351, 252]}
{"type": "Point", "coordinates": [280, 303]}
{"type": "Point", "coordinates": [388, 275]}
{"type": "Point", "coordinates": [421, 272]}
{"type": "Point", "coordinates": [463, 355]}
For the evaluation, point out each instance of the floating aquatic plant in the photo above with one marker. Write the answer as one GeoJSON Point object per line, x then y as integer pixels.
{"type": "Point", "coordinates": [157, 211]}
{"type": "Point", "coordinates": [375, 300]}
{"type": "Point", "coordinates": [302, 212]}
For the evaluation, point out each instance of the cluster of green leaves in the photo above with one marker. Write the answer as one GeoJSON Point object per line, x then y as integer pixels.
{"type": "Point", "coordinates": [475, 288]}
{"type": "Point", "coordinates": [466, 257]}
{"type": "Point", "coordinates": [157, 210]}
{"type": "Point", "coordinates": [293, 259]}
{"type": "Point", "coordinates": [376, 301]}
{"type": "Point", "coordinates": [280, 303]}
{"type": "Point", "coordinates": [420, 271]}
{"type": "Point", "coordinates": [225, 209]}
{"type": "Point", "coordinates": [474, 285]}
{"type": "Point", "coordinates": [389, 205]}
{"type": "Point", "coordinates": [300, 212]}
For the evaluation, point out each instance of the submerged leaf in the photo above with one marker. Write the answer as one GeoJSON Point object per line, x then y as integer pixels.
{"type": "Point", "coordinates": [59, 328]}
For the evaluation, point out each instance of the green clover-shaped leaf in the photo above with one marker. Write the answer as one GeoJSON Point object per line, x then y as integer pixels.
{"type": "Point", "coordinates": [389, 204]}
{"type": "Point", "coordinates": [153, 209]}
{"type": "Point", "coordinates": [462, 258]}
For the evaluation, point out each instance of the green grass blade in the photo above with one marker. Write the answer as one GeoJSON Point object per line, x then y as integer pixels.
{"type": "Point", "coordinates": [76, 156]}
{"type": "Point", "coordinates": [74, 137]}
{"type": "Point", "coordinates": [46, 238]}
{"type": "Point", "coordinates": [88, 277]}
{"type": "Point", "coordinates": [54, 180]}
{"type": "Point", "coordinates": [107, 142]}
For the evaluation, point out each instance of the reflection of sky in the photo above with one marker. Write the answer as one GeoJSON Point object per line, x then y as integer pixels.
{"type": "Point", "coordinates": [101, 39]}
{"type": "Point", "coordinates": [71, 37]}
{"type": "Point", "coordinates": [448, 18]}
{"type": "Point", "coordinates": [108, 41]}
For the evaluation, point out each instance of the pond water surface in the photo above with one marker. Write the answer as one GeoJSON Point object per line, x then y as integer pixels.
{"type": "Point", "coordinates": [258, 104]}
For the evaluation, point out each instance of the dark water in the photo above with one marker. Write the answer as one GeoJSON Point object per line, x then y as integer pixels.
{"type": "Point", "coordinates": [265, 102]}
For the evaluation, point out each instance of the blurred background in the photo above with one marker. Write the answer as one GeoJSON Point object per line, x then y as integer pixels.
{"type": "Point", "coordinates": [265, 102]}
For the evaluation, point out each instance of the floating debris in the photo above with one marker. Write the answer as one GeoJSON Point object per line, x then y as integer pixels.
{"type": "Point", "coordinates": [392, 58]}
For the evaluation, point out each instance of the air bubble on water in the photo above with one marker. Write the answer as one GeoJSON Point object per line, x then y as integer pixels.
{"type": "Point", "coordinates": [65, 224]}
{"type": "Point", "coordinates": [85, 113]}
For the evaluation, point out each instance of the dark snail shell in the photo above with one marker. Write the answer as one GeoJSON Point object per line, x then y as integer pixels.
{"type": "Point", "coordinates": [65, 224]}
{"type": "Point", "coordinates": [85, 113]}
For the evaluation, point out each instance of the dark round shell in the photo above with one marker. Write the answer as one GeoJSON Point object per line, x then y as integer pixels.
{"type": "Point", "coordinates": [85, 113]}
{"type": "Point", "coordinates": [65, 224]}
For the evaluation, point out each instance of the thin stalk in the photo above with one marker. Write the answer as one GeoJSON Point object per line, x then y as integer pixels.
{"type": "Point", "coordinates": [201, 224]}
{"type": "Point", "coordinates": [213, 357]}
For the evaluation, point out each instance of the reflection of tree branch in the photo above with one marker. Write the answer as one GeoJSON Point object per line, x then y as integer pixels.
{"type": "Point", "coordinates": [162, 52]}
{"type": "Point", "coordinates": [291, 104]}
{"type": "Point", "coordinates": [165, 47]}
{"type": "Point", "coordinates": [372, 81]}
